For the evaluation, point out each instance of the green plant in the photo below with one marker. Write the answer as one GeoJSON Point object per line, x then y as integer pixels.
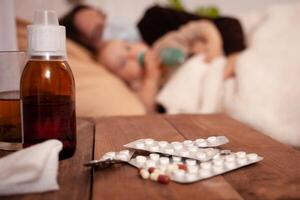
{"type": "Point", "coordinates": [206, 11]}
{"type": "Point", "coordinates": [210, 11]}
{"type": "Point", "coordinates": [176, 4]}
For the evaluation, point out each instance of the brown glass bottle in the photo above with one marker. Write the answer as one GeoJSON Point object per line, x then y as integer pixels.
{"type": "Point", "coordinates": [48, 103]}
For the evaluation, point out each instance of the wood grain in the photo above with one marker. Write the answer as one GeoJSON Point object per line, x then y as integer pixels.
{"type": "Point", "coordinates": [124, 182]}
{"type": "Point", "coordinates": [276, 177]}
{"type": "Point", "coordinates": [74, 179]}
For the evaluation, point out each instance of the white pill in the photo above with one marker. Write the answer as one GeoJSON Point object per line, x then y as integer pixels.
{"type": "Point", "coordinates": [178, 147]}
{"type": "Point", "coordinates": [205, 165]}
{"type": "Point", "coordinates": [162, 168]}
{"type": "Point", "coordinates": [241, 154]}
{"type": "Point", "coordinates": [252, 156]}
{"type": "Point", "coordinates": [192, 149]}
{"type": "Point", "coordinates": [144, 173]}
{"type": "Point", "coordinates": [125, 152]}
{"type": "Point", "coordinates": [164, 160]}
{"type": "Point", "coordinates": [149, 141]}
{"type": "Point", "coordinates": [175, 143]}
{"type": "Point", "coordinates": [110, 154]}
{"type": "Point", "coordinates": [199, 140]}
{"type": "Point", "coordinates": [216, 157]}
{"type": "Point", "coordinates": [212, 139]}
{"type": "Point", "coordinates": [171, 168]}
{"type": "Point", "coordinates": [178, 173]}
{"type": "Point", "coordinates": [154, 156]}
{"type": "Point", "coordinates": [141, 160]}
{"type": "Point", "coordinates": [218, 168]}
{"type": "Point", "coordinates": [140, 145]}
{"type": "Point", "coordinates": [121, 156]}
{"type": "Point", "coordinates": [150, 163]}
{"type": "Point", "coordinates": [230, 158]}
{"type": "Point", "coordinates": [169, 151]}
{"type": "Point", "coordinates": [190, 177]}
{"type": "Point", "coordinates": [190, 162]}
{"type": "Point", "coordinates": [176, 159]}
{"type": "Point", "coordinates": [154, 148]}
{"type": "Point", "coordinates": [163, 144]}
{"type": "Point", "coordinates": [210, 152]}
{"type": "Point", "coordinates": [204, 173]}
{"type": "Point", "coordinates": [154, 176]}
{"type": "Point", "coordinates": [201, 156]}
{"type": "Point", "coordinates": [230, 165]}
{"type": "Point", "coordinates": [242, 161]}
{"type": "Point", "coordinates": [201, 143]}
{"type": "Point", "coordinates": [193, 169]}
{"type": "Point", "coordinates": [188, 143]}
{"type": "Point", "coordinates": [218, 162]}
{"type": "Point", "coordinates": [184, 153]}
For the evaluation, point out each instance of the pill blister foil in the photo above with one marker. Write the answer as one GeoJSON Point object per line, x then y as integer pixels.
{"type": "Point", "coordinates": [196, 171]}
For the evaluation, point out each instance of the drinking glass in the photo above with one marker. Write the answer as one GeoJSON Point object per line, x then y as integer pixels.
{"type": "Point", "coordinates": [11, 67]}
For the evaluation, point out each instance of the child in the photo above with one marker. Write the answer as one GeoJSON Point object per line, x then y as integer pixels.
{"type": "Point", "coordinates": [85, 26]}
{"type": "Point", "coordinates": [121, 57]}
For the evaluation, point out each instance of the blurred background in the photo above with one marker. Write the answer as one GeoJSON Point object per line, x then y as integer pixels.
{"type": "Point", "coordinates": [131, 10]}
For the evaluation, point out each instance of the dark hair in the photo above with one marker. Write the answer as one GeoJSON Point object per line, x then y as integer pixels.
{"type": "Point", "coordinates": [72, 31]}
{"type": "Point", "coordinates": [157, 21]}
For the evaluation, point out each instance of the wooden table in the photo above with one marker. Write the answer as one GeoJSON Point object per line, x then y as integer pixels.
{"type": "Point", "coordinates": [74, 179]}
{"type": "Point", "coordinates": [276, 177]}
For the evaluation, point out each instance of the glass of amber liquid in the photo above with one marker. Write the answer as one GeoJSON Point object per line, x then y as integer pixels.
{"type": "Point", "coordinates": [11, 67]}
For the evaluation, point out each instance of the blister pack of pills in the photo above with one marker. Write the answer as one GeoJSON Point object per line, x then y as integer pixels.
{"type": "Point", "coordinates": [187, 148]}
{"type": "Point", "coordinates": [110, 158]}
{"type": "Point", "coordinates": [123, 155]}
{"type": "Point", "coordinates": [162, 168]}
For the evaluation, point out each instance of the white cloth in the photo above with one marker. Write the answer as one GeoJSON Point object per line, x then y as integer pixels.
{"type": "Point", "coordinates": [266, 91]}
{"type": "Point", "coordinates": [33, 169]}
{"type": "Point", "coordinates": [196, 87]}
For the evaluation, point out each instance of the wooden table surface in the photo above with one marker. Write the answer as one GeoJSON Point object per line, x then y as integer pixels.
{"type": "Point", "coordinates": [74, 179]}
{"type": "Point", "coordinates": [276, 177]}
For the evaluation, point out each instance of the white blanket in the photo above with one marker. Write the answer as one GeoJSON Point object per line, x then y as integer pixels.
{"type": "Point", "coordinates": [196, 87]}
{"type": "Point", "coordinates": [266, 91]}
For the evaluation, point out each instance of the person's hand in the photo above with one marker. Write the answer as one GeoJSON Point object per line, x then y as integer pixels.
{"type": "Point", "coordinates": [204, 38]}
{"type": "Point", "coordinates": [150, 83]}
{"type": "Point", "coordinates": [196, 37]}
{"type": "Point", "coordinates": [229, 70]}
{"type": "Point", "coordinates": [152, 66]}
{"type": "Point", "coordinates": [172, 39]}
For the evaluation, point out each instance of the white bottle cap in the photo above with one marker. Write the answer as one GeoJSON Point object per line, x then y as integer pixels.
{"type": "Point", "coordinates": [45, 36]}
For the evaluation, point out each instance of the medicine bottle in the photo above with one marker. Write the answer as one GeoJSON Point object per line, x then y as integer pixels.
{"type": "Point", "coordinates": [47, 86]}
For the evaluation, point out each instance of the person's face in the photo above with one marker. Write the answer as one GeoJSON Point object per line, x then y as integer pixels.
{"type": "Point", "coordinates": [121, 58]}
{"type": "Point", "coordinates": [90, 24]}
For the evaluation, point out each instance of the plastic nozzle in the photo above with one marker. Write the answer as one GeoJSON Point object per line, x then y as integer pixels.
{"type": "Point", "coordinates": [45, 17]}
{"type": "Point", "coordinates": [45, 36]}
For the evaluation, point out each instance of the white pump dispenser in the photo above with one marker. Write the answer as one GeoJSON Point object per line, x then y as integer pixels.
{"type": "Point", "coordinates": [45, 36]}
